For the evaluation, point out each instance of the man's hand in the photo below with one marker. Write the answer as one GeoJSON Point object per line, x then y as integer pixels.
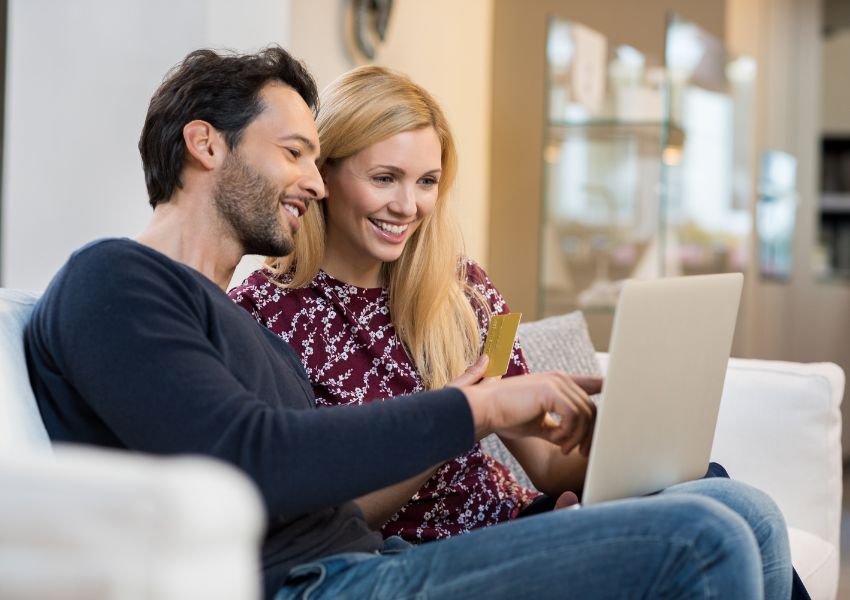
{"type": "Point", "coordinates": [517, 407]}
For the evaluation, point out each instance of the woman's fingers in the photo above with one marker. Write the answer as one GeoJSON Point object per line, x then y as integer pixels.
{"type": "Point", "coordinates": [473, 374]}
{"type": "Point", "coordinates": [589, 383]}
{"type": "Point", "coordinates": [578, 418]}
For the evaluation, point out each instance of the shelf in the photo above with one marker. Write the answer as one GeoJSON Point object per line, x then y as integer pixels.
{"type": "Point", "coordinates": [570, 124]}
{"type": "Point", "coordinates": [835, 203]}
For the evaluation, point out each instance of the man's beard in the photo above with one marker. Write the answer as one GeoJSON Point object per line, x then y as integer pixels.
{"type": "Point", "coordinates": [250, 206]}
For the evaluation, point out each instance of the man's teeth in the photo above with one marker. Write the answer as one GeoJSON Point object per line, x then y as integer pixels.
{"type": "Point", "coordinates": [291, 209]}
{"type": "Point", "coordinates": [389, 228]}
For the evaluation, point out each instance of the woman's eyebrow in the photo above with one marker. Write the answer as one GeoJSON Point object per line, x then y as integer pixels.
{"type": "Point", "coordinates": [399, 170]}
{"type": "Point", "coordinates": [390, 168]}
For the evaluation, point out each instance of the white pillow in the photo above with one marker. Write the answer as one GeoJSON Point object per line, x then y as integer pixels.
{"type": "Point", "coordinates": [21, 427]}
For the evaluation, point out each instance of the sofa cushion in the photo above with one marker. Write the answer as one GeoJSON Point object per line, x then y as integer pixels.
{"type": "Point", "coordinates": [21, 428]}
{"type": "Point", "coordinates": [560, 342]}
{"type": "Point", "coordinates": [779, 429]}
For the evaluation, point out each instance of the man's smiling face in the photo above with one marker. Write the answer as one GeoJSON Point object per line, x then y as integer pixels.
{"type": "Point", "coordinates": [269, 178]}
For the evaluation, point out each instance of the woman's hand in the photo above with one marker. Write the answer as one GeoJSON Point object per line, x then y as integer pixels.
{"type": "Point", "coordinates": [518, 407]}
{"type": "Point", "coordinates": [473, 374]}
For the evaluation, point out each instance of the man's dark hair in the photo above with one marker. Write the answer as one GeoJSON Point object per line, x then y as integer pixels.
{"type": "Point", "coordinates": [220, 88]}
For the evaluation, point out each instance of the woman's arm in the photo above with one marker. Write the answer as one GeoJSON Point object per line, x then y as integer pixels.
{"type": "Point", "coordinates": [380, 505]}
{"type": "Point", "coordinates": [551, 471]}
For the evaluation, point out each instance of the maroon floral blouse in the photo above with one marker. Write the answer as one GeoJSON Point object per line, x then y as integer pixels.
{"type": "Point", "coordinates": [352, 355]}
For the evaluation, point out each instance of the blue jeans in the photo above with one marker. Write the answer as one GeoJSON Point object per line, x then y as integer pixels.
{"type": "Point", "coordinates": [711, 538]}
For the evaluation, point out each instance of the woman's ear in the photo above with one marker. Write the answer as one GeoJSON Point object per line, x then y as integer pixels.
{"type": "Point", "coordinates": [324, 173]}
{"type": "Point", "coordinates": [204, 144]}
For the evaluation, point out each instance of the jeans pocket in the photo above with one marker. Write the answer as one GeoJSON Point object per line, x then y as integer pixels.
{"type": "Point", "coordinates": [303, 582]}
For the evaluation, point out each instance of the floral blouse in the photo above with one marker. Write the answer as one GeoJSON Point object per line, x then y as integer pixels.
{"type": "Point", "coordinates": [352, 355]}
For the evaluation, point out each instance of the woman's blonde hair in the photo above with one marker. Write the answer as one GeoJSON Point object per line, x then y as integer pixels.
{"type": "Point", "coordinates": [429, 299]}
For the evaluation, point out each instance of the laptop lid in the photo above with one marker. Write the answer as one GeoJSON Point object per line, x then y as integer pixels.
{"type": "Point", "coordinates": [669, 349]}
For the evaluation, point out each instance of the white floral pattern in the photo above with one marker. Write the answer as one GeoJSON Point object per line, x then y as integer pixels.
{"type": "Point", "coordinates": [352, 355]}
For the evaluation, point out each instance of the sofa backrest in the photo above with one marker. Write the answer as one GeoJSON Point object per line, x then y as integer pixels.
{"type": "Point", "coordinates": [21, 427]}
{"type": "Point", "coordinates": [779, 429]}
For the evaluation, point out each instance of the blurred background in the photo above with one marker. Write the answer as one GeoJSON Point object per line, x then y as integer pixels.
{"type": "Point", "coordinates": [598, 140]}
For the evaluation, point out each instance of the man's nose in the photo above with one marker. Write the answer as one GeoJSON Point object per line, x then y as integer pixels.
{"type": "Point", "coordinates": [312, 184]}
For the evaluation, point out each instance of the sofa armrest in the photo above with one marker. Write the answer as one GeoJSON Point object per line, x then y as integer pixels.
{"type": "Point", "coordinates": [96, 525]}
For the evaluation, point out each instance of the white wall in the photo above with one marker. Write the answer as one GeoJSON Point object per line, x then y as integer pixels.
{"type": "Point", "coordinates": [80, 75]}
{"type": "Point", "coordinates": [444, 45]}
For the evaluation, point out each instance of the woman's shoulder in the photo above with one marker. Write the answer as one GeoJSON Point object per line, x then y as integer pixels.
{"type": "Point", "coordinates": [474, 273]}
{"type": "Point", "coordinates": [265, 287]}
{"type": "Point", "coordinates": [477, 279]}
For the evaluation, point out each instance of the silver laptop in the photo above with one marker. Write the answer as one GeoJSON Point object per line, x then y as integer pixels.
{"type": "Point", "coordinates": [668, 354]}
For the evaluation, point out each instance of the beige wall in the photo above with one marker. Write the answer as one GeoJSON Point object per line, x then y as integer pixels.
{"type": "Point", "coordinates": [444, 45]}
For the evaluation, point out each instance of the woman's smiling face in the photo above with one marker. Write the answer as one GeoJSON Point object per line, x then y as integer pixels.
{"type": "Point", "coordinates": [376, 199]}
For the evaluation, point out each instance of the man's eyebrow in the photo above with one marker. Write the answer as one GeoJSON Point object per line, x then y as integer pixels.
{"type": "Point", "coordinates": [300, 138]}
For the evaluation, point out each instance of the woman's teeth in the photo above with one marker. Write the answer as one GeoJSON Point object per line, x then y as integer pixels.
{"type": "Point", "coordinates": [291, 209]}
{"type": "Point", "coordinates": [389, 228]}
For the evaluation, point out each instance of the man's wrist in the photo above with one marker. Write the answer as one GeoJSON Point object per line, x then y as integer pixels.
{"type": "Point", "coordinates": [481, 408]}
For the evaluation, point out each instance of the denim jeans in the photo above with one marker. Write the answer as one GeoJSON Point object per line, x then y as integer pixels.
{"type": "Point", "coordinates": [711, 538]}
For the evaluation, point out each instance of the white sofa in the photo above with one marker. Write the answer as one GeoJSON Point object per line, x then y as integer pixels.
{"type": "Point", "coordinates": [779, 429]}
{"type": "Point", "coordinates": [91, 524]}
{"type": "Point", "coordinates": [102, 525]}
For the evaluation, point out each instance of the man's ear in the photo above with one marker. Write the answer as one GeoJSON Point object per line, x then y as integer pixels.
{"type": "Point", "coordinates": [204, 144]}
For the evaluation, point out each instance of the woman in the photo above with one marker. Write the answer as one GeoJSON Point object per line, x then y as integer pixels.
{"type": "Point", "coordinates": [377, 304]}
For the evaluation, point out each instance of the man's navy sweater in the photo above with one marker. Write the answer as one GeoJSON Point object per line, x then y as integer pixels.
{"type": "Point", "coordinates": [130, 349]}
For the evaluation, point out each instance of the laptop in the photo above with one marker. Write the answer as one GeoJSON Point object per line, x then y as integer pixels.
{"type": "Point", "coordinates": [669, 349]}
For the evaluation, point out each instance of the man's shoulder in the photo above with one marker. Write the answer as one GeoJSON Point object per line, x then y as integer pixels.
{"type": "Point", "coordinates": [112, 250]}
{"type": "Point", "coordinates": [112, 270]}
{"type": "Point", "coordinates": [122, 260]}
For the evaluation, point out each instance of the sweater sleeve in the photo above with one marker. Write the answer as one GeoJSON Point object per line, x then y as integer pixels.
{"type": "Point", "coordinates": [130, 340]}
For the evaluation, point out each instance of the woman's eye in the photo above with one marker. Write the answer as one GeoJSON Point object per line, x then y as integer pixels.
{"type": "Point", "coordinates": [295, 152]}
{"type": "Point", "coordinates": [382, 178]}
{"type": "Point", "coordinates": [429, 181]}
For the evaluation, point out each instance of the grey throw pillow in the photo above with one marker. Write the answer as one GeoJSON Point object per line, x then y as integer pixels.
{"type": "Point", "coordinates": [560, 342]}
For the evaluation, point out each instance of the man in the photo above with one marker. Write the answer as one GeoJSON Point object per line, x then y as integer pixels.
{"type": "Point", "coordinates": [135, 345]}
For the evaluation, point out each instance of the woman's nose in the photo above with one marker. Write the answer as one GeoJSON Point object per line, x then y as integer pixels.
{"type": "Point", "coordinates": [404, 202]}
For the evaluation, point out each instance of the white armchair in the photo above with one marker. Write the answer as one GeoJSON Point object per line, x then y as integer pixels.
{"type": "Point", "coordinates": [88, 524]}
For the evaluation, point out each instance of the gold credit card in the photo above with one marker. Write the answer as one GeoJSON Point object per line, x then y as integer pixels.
{"type": "Point", "coordinates": [501, 333]}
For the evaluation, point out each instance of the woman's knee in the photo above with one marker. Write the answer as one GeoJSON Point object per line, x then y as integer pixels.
{"type": "Point", "coordinates": [756, 507]}
{"type": "Point", "coordinates": [711, 524]}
